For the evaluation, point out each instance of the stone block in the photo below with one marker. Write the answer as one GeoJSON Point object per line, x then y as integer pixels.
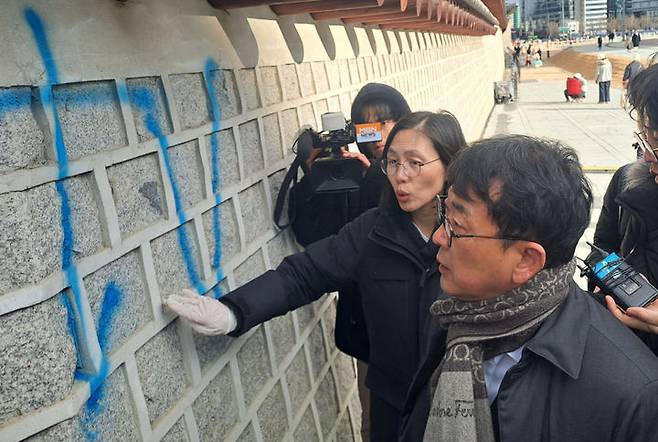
{"type": "Point", "coordinates": [149, 107]}
{"type": "Point", "coordinates": [272, 415]}
{"type": "Point", "coordinates": [330, 326]}
{"type": "Point", "coordinates": [216, 408]}
{"type": "Point", "coordinates": [210, 348]}
{"type": "Point", "coordinates": [344, 431]}
{"type": "Point", "coordinates": [254, 365]}
{"type": "Point", "coordinates": [345, 375]}
{"type": "Point", "coordinates": [298, 381]}
{"type": "Point", "coordinates": [333, 103]}
{"type": "Point", "coordinates": [345, 103]}
{"type": "Point", "coordinates": [250, 146]}
{"type": "Point", "coordinates": [361, 65]}
{"type": "Point", "coordinates": [119, 300]}
{"type": "Point", "coordinates": [290, 128]}
{"type": "Point", "coordinates": [221, 220]}
{"type": "Point", "coordinates": [306, 79]}
{"type": "Point", "coordinates": [308, 116]}
{"type": "Point", "coordinates": [249, 269]}
{"type": "Point", "coordinates": [107, 415]}
{"type": "Point", "coordinates": [37, 356]}
{"type": "Point", "coordinates": [248, 434]}
{"type": "Point", "coordinates": [322, 107]}
{"type": "Point", "coordinates": [305, 316]}
{"type": "Point", "coordinates": [186, 168]}
{"type": "Point", "coordinates": [177, 433]}
{"type": "Point", "coordinates": [306, 431]}
{"type": "Point", "coordinates": [226, 93]}
{"type": "Point", "coordinates": [317, 350]}
{"type": "Point", "coordinates": [270, 85]}
{"type": "Point", "coordinates": [272, 138]}
{"type": "Point", "coordinates": [382, 62]}
{"type": "Point", "coordinates": [344, 73]}
{"type": "Point", "coordinates": [174, 264]}
{"type": "Point", "coordinates": [356, 413]}
{"type": "Point", "coordinates": [256, 217]}
{"type": "Point", "coordinates": [28, 258]}
{"type": "Point", "coordinates": [278, 248]}
{"type": "Point", "coordinates": [354, 71]}
{"type": "Point", "coordinates": [138, 193]}
{"type": "Point", "coordinates": [90, 117]}
{"type": "Point", "coordinates": [225, 159]}
{"type": "Point", "coordinates": [191, 99]}
{"type": "Point", "coordinates": [283, 336]}
{"type": "Point", "coordinates": [290, 81]}
{"type": "Point", "coordinates": [23, 142]}
{"type": "Point", "coordinates": [275, 180]}
{"type": "Point", "coordinates": [320, 76]}
{"type": "Point", "coordinates": [325, 399]}
{"type": "Point", "coordinates": [161, 371]}
{"type": "Point", "coordinates": [249, 88]}
{"type": "Point", "coordinates": [334, 74]}
{"type": "Point", "coordinates": [370, 72]}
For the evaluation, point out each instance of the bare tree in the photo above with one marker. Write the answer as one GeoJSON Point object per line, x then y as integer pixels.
{"type": "Point", "coordinates": [553, 28]}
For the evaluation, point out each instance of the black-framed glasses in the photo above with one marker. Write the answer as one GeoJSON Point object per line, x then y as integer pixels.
{"type": "Point", "coordinates": [649, 151]}
{"type": "Point", "coordinates": [410, 168]}
{"type": "Point", "coordinates": [450, 233]}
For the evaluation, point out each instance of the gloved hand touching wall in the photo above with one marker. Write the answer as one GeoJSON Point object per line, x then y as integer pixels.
{"type": "Point", "coordinates": [205, 314]}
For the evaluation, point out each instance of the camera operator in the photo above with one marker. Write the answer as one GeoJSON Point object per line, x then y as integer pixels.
{"type": "Point", "coordinates": [628, 224]}
{"type": "Point", "coordinates": [385, 252]}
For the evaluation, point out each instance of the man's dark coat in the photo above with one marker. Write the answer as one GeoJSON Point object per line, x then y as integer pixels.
{"type": "Point", "coordinates": [583, 377]}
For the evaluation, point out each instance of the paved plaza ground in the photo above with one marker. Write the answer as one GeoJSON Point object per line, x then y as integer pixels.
{"type": "Point", "coordinates": [602, 134]}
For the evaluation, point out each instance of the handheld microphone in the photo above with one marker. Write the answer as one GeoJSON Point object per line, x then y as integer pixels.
{"type": "Point", "coordinates": [615, 277]}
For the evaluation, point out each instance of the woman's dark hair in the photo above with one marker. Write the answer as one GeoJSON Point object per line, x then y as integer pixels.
{"type": "Point", "coordinates": [377, 102]}
{"type": "Point", "coordinates": [443, 130]}
{"type": "Point", "coordinates": [643, 97]}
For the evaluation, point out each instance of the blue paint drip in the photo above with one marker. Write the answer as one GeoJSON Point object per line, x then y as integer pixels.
{"type": "Point", "coordinates": [211, 70]}
{"type": "Point", "coordinates": [39, 33]}
{"type": "Point", "coordinates": [112, 300]}
{"type": "Point", "coordinates": [144, 101]}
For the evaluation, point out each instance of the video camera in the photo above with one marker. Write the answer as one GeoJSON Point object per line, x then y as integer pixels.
{"type": "Point", "coordinates": [615, 277]}
{"type": "Point", "coordinates": [331, 173]}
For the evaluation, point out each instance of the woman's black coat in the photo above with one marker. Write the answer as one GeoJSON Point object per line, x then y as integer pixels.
{"type": "Point", "coordinates": [396, 273]}
{"type": "Point", "coordinates": [628, 223]}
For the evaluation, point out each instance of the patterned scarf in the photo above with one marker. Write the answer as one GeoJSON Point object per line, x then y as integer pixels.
{"type": "Point", "coordinates": [477, 331]}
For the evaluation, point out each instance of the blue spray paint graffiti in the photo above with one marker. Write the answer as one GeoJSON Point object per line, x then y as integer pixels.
{"type": "Point", "coordinates": [143, 100]}
{"type": "Point", "coordinates": [211, 70]}
{"type": "Point", "coordinates": [76, 320]}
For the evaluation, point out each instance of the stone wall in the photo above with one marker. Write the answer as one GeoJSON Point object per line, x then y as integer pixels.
{"type": "Point", "coordinates": [140, 154]}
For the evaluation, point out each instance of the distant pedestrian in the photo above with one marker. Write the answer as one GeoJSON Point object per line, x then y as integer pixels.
{"type": "Point", "coordinates": [528, 55]}
{"type": "Point", "coordinates": [611, 36]}
{"type": "Point", "coordinates": [635, 39]}
{"type": "Point", "coordinates": [599, 42]}
{"type": "Point", "coordinates": [603, 78]}
{"type": "Point", "coordinates": [630, 71]}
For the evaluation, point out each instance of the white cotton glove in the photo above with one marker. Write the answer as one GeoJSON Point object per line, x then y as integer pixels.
{"type": "Point", "coordinates": [205, 314]}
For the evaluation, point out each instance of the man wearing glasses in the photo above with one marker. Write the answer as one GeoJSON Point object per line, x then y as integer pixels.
{"type": "Point", "coordinates": [517, 351]}
{"type": "Point", "coordinates": [628, 224]}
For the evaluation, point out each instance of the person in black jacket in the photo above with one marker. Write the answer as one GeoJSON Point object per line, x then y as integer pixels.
{"type": "Point", "coordinates": [628, 223]}
{"type": "Point", "coordinates": [517, 351]}
{"type": "Point", "coordinates": [317, 216]}
{"type": "Point", "coordinates": [386, 252]}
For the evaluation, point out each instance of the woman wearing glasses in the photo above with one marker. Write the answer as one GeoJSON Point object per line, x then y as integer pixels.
{"type": "Point", "coordinates": [386, 251]}
{"type": "Point", "coordinates": [628, 223]}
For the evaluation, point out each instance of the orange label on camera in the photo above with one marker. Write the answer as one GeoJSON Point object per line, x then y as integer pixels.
{"type": "Point", "coordinates": [368, 132]}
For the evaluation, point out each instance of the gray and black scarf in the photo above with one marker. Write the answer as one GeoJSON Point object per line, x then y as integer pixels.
{"type": "Point", "coordinates": [477, 331]}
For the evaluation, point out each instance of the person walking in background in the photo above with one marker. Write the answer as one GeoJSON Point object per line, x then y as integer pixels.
{"type": "Point", "coordinates": [603, 78]}
{"type": "Point", "coordinates": [386, 251]}
{"type": "Point", "coordinates": [630, 72]}
{"type": "Point", "coordinates": [635, 39]}
{"type": "Point", "coordinates": [599, 42]}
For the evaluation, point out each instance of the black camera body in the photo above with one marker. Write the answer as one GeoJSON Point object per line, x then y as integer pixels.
{"type": "Point", "coordinates": [331, 173]}
{"type": "Point", "coordinates": [615, 277]}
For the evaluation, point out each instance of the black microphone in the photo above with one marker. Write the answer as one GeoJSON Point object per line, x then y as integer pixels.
{"type": "Point", "coordinates": [615, 277]}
